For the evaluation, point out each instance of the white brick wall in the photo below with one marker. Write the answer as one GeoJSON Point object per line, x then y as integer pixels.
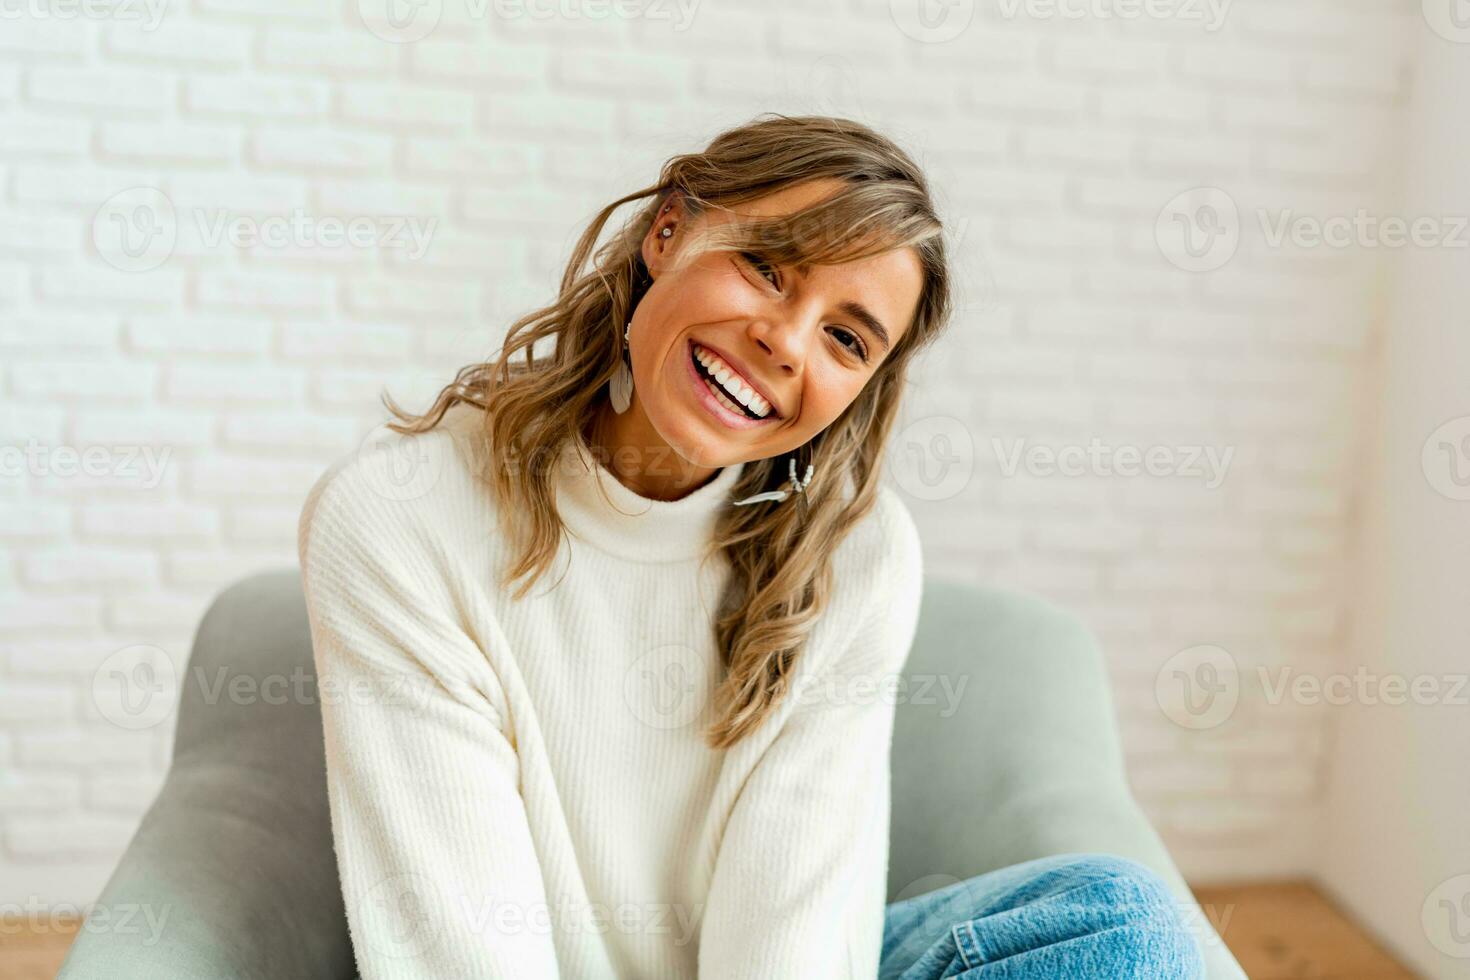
{"type": "Point", "coordinates": [1053, 142]}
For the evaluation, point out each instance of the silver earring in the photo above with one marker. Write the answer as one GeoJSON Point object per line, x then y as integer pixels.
{"type": "Point", "coordinates": [620, 388]}
{"type": "Point", "coordinates": [666, 232]}
{"type": "Point", "coordinates": [799, 486]}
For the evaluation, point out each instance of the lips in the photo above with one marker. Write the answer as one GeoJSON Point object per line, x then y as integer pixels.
{"type": "Point", "coordinates": [744, 374]}
{"type": "Point", "coordinates": [725, 398]}
{"type": "Point", "coordinates": [719, 406]}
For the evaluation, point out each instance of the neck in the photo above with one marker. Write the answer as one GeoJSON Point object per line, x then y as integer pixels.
{"type": "Point", "coordinates": [632, 450]}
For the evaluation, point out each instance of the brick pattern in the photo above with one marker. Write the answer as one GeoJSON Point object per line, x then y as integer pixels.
{"type": "Point", "coordinates": [183, 410]}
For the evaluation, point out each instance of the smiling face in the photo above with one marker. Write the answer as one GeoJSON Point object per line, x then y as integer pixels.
{"type": "Point", "coordinates": [805, 345]}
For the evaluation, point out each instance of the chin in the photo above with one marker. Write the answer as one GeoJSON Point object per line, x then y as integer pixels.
{"type": "Point", "coordinates": [703, 452]}
{"type": "Point", "coordinates": [696, 447]}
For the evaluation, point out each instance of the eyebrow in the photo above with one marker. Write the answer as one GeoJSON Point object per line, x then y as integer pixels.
{"type": "Point", "coordinates": [858, 312]}
{"type": "Point", "coordinates": [864, 316]}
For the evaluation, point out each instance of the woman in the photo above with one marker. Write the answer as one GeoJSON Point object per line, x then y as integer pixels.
{"type": "Point", "coordinates": [608, 662]}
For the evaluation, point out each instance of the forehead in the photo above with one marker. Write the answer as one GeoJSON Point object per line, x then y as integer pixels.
{"type": "Point", "coordinates": [888, 284]}
{"type": "Point", "coordinates": [793, 197]}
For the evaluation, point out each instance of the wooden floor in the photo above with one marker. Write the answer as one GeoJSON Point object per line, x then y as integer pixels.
{"type": "Point", "coordinates": [33, 953]}
{"type": "Point", "coordinates": [1278, 931]}
{"type": "Point", "coordinates": [1286, 930]}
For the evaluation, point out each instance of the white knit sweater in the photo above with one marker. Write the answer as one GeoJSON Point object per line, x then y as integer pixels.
{"type": "Point", "coordinates": [519, 789]}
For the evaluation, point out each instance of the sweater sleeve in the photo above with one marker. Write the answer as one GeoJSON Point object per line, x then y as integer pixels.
{"type": "Point", "coordinates": [435, 856]}
{"type": "Point", "coordinates": [800, 881]}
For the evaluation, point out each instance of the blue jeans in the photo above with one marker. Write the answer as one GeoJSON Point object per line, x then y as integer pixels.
{"type": "Point", "coordinates": [1072, 916]}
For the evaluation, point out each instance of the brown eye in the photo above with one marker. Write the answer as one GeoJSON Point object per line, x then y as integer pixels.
{"type": "Point", "coordinates": [861, 349]}
{"type": "Point", "coordinates": [760, 266]}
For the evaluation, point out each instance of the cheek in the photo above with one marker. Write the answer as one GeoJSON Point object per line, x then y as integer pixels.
{"type": "Point", "coordinates": [715, 295]}
{"type": "Point", "coordinates": [826, 394]}
{"type": "Point", "coordinates": [699, 297]}
{"type": "Point", "coordinates": [711, 291]}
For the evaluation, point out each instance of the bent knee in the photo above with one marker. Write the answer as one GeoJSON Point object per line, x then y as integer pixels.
{"type": "Point", "coordinates": [1143, 912]}
{"type": "Point", "coordinates": [1119, 873]}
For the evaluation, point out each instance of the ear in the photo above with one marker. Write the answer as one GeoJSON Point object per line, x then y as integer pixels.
{"type": "Point", "coordinates": [655, 246]}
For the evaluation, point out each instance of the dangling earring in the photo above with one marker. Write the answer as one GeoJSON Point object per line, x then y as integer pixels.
{"type": "Point", "coordinates": [798, 485]}
{"type": "Point", "coordinates": [620, 388]}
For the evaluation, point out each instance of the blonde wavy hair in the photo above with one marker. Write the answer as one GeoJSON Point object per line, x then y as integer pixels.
{"type": "Point", "coordinates": [779, 554]}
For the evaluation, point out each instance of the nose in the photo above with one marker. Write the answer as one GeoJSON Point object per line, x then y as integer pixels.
{"type": "Point", "coordinates": [786, 341]}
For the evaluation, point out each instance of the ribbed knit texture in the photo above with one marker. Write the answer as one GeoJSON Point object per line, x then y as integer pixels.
{"type": "Point", "coordinates": [519, 789]}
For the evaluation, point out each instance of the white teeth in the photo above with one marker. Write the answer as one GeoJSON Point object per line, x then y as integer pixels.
{"type": "Point", "coordinates": [723, 400]}
{"type": "Point", "coordinates": [731, 382]}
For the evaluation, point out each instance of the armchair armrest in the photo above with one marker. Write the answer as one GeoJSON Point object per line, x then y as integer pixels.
{"type": "Point", "coordinates": [234, 858]}
{"type": "Point", "coordinates": [1026, 761]}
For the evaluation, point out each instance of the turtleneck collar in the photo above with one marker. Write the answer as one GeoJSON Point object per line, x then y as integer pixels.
{"type": "Point", "coordinates": [632, 526]}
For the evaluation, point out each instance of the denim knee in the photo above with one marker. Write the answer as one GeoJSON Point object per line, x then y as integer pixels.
{"type": "Point", "coordinates": [1122, 874]}
{"type": "Point", "coordinates": [1143, 904]}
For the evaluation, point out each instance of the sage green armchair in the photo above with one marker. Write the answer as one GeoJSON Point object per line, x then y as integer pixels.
{"type": "Point", "coordinates": [237, 848]}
